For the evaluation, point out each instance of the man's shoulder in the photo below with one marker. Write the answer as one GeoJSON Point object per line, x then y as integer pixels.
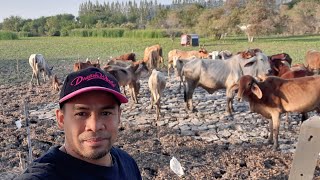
{"type": "Point", "coordinates": [42, 168]}
{"type": "Point", "coordinates": [126, 163]}
{"type": "Point", "coordinates": [118, 150]}
{"type": "Point", "coordinates": [38, 170]}
{"type": "Point", "coordinates": [120, 153]}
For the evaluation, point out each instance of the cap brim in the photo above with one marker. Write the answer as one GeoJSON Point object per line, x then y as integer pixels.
{"type": "Point", "coordinates": [118, 95]}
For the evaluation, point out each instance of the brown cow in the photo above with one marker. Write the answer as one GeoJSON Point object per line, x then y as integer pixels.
{"type": "Point", "coordinates": [153, 55]}
{"type": "Point", "coordinates": [249, 53]}
{"type": "Point", "coordinates": [56, 83]}
{"type": "Point", "coordinates": [120, 63]}
{"type": "Point", "coordinates": [126, 57]}
{"type": "Point", "coordinates": [80, 65]}
{"type": "Point", "coordinates": [280, 57]}
{"type": "Point", "coordinates": [275, 96]}
{"type": "Point", "coordinates": [313, 61]}
{"type": "Point", "coordinates": [283, 70]}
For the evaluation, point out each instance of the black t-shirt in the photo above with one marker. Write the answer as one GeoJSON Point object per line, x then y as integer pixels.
{"type": "Point", "coordinates": [56, 164]}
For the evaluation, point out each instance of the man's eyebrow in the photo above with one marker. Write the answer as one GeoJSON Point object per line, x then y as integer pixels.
{"type": "Point", "coordinates": [80, 107]}
{"type": "Point", "coordinates": [84, 107]}
{"type": "Point", "coordinates": [109, 106]}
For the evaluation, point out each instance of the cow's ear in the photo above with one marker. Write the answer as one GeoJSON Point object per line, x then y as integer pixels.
{"type": "Point", "coordinates": [256, 90]}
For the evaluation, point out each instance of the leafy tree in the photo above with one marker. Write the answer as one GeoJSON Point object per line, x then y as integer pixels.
{"type": "Point", "coordinates": [304, 17]}
{"type": "Point", "coordinates": [12, 23]}
{"type": "Point", "coordinates": [258, 17]}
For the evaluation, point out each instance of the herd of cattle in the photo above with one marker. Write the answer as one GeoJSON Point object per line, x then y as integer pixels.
{"type": "Point", "coordinates": [271, 84]}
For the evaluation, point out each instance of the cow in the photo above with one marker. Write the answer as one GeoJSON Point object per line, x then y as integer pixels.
{"type": "Point", "coordinates": [155, 52]}
{"type": "Point", "coordinates": [56, 83]}
{"type": "Point", "coordinates": [299, 66]}
{"type": "Point", "coordinates": [156, 83]}
{"type": "Point", "coordinates": [214, 75]}
{"type": "Point", "coordinates": [312, 61]}
{"type": "Point", "coordinates": [120, 63]}
{"type": "Point", "coordinates": [249, 53]}
{"type": "Point", "coordinates": [225, 54]}
{"type": "Point", "coordinates": [283, 70]}
{"type": "Point", "coordinates": [178, 64]}
{"type": "Point", "coordinates": [82, 65]}
{"type": "Point", "coordinates": [201, 53]}
{"type": "Point", "coordinates": [39, 64]}
{"type": "Point", "coordinates": [126, 57]}
{"type": "Point", "coordinates": [281, 57]}
{"type": "Point", "coordinates": [128, 76]}
{"type": "Point", "coordinates": [275, 96]}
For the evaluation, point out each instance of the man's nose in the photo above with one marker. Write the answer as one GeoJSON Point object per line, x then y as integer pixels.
{"type": "Point", "coordinates": [94, 123]}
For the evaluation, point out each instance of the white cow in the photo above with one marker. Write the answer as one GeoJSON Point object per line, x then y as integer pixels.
{"type": "Point", "coordinates": [213, 75]}
{"type": "Point", "coordinates": [156, 83]}
{"type": "Point", "coordinates": [38, 64]}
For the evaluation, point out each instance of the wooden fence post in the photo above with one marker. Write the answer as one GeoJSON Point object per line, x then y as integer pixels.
{"type": "Point", "coordinates": [307, 151]}
{"type": "Point", "coordinates": [18, 73]}
{"type": "Point", "coordinates": [26, 113]}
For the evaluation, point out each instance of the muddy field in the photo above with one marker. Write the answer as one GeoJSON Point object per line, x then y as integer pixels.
{"type": "Point", "coordinates": [208, 144]}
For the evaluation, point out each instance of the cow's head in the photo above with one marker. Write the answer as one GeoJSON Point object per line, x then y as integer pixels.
{"type": "Point", "coordinates": [203, 53]}
{"type": "Point", "coordinates": [257, 66]}
{"type": "Point", "coordinates": [247, 86]}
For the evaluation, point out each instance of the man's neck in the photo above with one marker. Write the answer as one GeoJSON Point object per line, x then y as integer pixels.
{"type": "Point", "coordinates": [104, 161]}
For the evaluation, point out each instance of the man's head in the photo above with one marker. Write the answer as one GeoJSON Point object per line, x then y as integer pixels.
{"type": "Point", "coordinates": [89, 113]}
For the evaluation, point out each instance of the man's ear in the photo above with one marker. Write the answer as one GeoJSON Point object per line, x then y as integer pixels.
{"type": "Point", "coordinates": [119, 117]}
{"type": "Point", "coordinates": [60, 118]}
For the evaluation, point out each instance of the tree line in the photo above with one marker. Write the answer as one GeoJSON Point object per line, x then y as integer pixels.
{"type": "Point", "coordinates": [205, 17]}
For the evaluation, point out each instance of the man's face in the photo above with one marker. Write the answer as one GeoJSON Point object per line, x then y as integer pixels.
{"type": "Point", "coordinates": [90, 122]}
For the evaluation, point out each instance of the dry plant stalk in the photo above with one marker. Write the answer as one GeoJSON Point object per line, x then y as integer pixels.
{"type": "Point", "coordinates": [21, 163]}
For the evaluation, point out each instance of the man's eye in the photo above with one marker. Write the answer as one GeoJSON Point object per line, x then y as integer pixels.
{"type": "Point", "coordinates": [106, 113]}
{"type": "Point", "coordinates": [80, 114]}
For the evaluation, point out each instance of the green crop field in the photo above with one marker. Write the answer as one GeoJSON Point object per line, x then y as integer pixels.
{"type": "Point", "coordinates": [73, 48]}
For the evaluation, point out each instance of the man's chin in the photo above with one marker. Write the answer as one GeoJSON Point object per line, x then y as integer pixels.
{"type": "Point", "coordinates": [95, 154]}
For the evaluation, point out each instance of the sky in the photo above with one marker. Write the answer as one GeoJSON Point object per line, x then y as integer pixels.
{"type": "Point", "coordinates": [36, 8]}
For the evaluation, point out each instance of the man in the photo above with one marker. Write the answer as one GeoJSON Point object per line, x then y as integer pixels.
{"type": "Point", "coordinates": [89, 114]}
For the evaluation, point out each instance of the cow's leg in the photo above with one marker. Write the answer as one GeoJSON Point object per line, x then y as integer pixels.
{"type": "Point", "coordinates": [270, 138]}
{"type": "Point", "coordinates": [229, 108]}
{"type": "Point", "coordinates": [151, 100]}
{"type": "Point", "coordinates": [37, 76]}
{"type": "Point", "coordinates": [133, 96]}
{"type": "Point", "coordinates": [158, 109]}
{"type": "Point", "coordinates": [124, 90]}
{"type": "Point", "coordinates": [287, 120]}
{"type": "Point", "coordinates": [188, 92]}
{"type": "Point", "coordinates": [230, 94]}
{"type": "Point", "coordinates": [304, 117]}
{"type": "Point", "coordinates": [33, 73]}
{"type": "Point", "coordinates": [181, 80]}
{"type": "Point", "coordinates": [276, 127]}
{"type": "Point", "coordinates": [169, 67]}
{"type": "Point", "coordinates": [44, 76]}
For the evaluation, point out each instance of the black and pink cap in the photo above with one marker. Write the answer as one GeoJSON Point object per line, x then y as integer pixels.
{"type": "Point", "coordinates": [90, 79]}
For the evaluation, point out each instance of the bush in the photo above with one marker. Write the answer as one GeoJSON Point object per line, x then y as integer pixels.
{"type": "Point", "coordinates": [144, 34]}
{"type": "Point", "coordinates": [7, 35]}
{"type": "Point", "coordinates": [64, 32]}
{"type": "Point", "coordinates": [24, 34]}
{"type": "Point", "coordinates": [117, 33]}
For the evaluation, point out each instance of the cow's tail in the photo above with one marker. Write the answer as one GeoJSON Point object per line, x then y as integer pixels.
{"type": "Point", "coordinates": [35, 64]}
{"type": "Point", "coordinates": [184, 86]}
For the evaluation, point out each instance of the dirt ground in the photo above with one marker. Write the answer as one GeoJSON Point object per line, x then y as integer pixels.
{"type": "Point", "coordinates": [200, 159]}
